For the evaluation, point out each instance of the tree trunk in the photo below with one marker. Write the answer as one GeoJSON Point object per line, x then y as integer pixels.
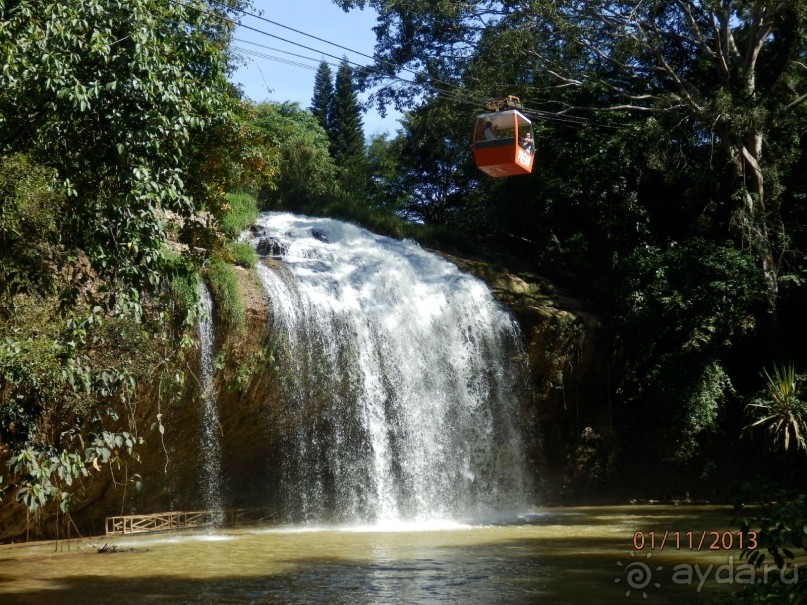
{"type": "Point", "coordinates": [753, 216]}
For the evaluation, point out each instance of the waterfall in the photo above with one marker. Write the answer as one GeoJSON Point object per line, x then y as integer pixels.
{"type": "Point", "coordinates": [402, 378]}
{"type": "Point", "coordinates": [210, 443]}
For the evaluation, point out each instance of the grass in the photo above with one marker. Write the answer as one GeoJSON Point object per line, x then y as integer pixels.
{"type": "Point", "coordinates": [226, 294]}
{"type": "Point", "coordinates": [242, 254]}
{"type": "Point", "coordinates": [182, 281]}
{"type": "Point", "coordinates": [241, 212]}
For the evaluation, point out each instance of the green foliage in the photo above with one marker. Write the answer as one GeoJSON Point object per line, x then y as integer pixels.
{"type": "Point", "coordinates": [780, 410]}
{"type": "Point", "coordinates": [347, 136]}
{"type": "Point", "coordinates": [67, 387]}
{"type": "Point", "coordinates": [240, 154]}
{"type": "Point", "coordinates": [383, 168]}
{"type": "Point", "coordinates": [114, 122]}
{"type": "Point", "coordinates": [29, 231]}
{"type": "Point", "coordinates": [116, 98]}
{"type": "Point", "coordinates": [183, 283]}
{"type": "Point", "coordinates": [306, 172]}
{"type": "Point", "coordinates": [778, 517]}
{"type": "Point", "coordinates": [694, 298]}
{"type": "Point", "coordinates": [226, 295]}
{"type": "Point", "coordinates": [434, 179]}
{"type": "Point", "coordinates": [242, 254]}
{"type": "Point", "coordinates": [242, 365]}
{"type": "Point", "coordinates": [240, 212]}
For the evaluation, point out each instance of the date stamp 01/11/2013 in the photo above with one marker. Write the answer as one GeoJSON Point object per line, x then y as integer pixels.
{"type": "Point", "coordinates": [695, 540]}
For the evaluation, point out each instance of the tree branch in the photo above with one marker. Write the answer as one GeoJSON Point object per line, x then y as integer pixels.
{"type": "Point", "coordinates": [566, 81]}
{"type": "Point", "coordinates": [720, 51]}
{"type": "Point", "coordinates": [624, 93]}
{"type": "Point", "coordinates": [797, 102]}
{"type": "Point", "coordinates": [627, 107]}
{"type": "Point", "coordinates": [756, 42]}
{"type": "Point", "coordinates": [683, 85]}
{"type": "Point", "coordinates": [699, 38]}
{"type": "Point", "coordinates": [754, 163]}
{"type": "Point", "coordinates": [725, 23]}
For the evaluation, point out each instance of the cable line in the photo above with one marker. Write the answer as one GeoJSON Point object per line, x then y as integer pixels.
{"type": "Point", "coordinates": [296, 31]}
{"type": "Point", "coordinates": [460, 91]}
{"type": "Point", "coordinates": [458, 95]}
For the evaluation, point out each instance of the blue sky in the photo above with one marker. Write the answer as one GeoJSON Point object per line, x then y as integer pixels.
{"type": "Point", "coordinates": [265, 79]}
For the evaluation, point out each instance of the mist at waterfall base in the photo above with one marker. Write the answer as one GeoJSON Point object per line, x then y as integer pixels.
{"type": "Point", "coordinates": [401, 379]}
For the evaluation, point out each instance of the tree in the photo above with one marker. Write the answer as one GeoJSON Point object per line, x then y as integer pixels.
{"type": "Point", "coordinates": [731, 73]}
{"type": "Point", "coordinates": [323, 96]}
{"type": "Point", "coordinates": [347, 136]}
{"type": "Point", "coordinates": [306, 171]}
{"type": "Point", "coordinates": [337, 110]}
{"type": "Point", "coordinates": [435, 177]}
{"type": "Point", "coordinates": [105, 114]}
{"type": "Point", "coordinates": [116, 98]}
{"type": "Point", "coordinates": [382, 165]}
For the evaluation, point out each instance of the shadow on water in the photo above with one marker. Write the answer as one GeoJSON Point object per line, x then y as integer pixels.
{"type": "Point", "coordinates": [645, 517]}
{"type": "Point", "coordinates": [577, 571]}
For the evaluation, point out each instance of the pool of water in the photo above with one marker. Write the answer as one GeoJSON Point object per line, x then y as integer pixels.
{"type": "Point", "coordinates": [554, 556]}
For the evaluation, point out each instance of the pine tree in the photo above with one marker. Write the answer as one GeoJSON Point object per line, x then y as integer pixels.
{"type": "Point", "coordinates": [323, 96]}
{"type": "Point", "coordinates": [347, 136]}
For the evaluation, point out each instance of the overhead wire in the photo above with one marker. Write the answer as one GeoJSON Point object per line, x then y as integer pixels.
{"type": "Point", "coordinates": [297, 64]}
{"type": "Point", "coordinates": [383, 75]}
{"type": "Point", "coordinates": [458, 94]}
{"type": "Point", "coordinates": [451, 92]}
{"type": "Point", "coordinates": [260, 55]}
{"type": "Point", "coordinates": [464, 98]}
{"type": "Point", "coordinates": [335, 44]}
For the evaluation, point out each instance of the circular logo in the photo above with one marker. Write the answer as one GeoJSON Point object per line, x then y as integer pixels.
{"type": "Point", "coordinates": [637, 575]}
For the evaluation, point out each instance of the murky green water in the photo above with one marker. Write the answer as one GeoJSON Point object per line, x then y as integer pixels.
{"type": "Point", "coordinates": [573, 555]}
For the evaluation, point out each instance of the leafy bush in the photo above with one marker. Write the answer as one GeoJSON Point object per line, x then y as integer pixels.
{"type": "Point", "coordinates": [29, 233]}
{"type": "Point", "coordinates": [694, 297]}
{"type": "Point", "coordinates": [780, 410]}
{"type": "Point", "coordinates": [306, 171]}
{"type": "Point", "coordinates": [778, 517]}
{"type": "Point", "coordinates": [183, 281]}
{"type": "Point", "coordinates": [79, 373]}
{"type": "Point", "coordinates": [161, 71]}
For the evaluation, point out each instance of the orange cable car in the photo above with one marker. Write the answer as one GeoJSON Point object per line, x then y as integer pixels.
{"type": "Point", "coordinates": [503, 144]}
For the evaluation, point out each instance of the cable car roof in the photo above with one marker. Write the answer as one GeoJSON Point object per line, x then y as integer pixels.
{"type": "Point", "coordinates": [508, 112]}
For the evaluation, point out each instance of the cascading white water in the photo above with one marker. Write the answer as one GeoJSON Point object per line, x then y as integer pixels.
{"type": "Point", "coordinates": [402, 375]}
{"type": "Point", "coordinates": [210, 443]}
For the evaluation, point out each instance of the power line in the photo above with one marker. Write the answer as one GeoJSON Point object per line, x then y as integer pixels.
{"type": "Point", "coordinates": [460, 95]}
{"type": "Point", "coordinates": [296, 31]}
{"type": "Point", "coordinates": [279, 50]}
{"type": "Point", "coordinates": [460, 91]}
{"type": "Point", "coordinates": [337, 45]}
{"type": "Point", "coordinates": [447, 94]}
{"type": "Point", "coordinates": [367, 68]}
{"type": "Point", "coordinates": [260, 55]}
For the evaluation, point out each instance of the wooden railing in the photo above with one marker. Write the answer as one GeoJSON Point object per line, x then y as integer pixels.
{"type": "Point", "coordinates": [134, 524]}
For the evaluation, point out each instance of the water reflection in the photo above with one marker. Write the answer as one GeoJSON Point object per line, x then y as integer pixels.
{"type": "Point", "coordinates": [560, 556]}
